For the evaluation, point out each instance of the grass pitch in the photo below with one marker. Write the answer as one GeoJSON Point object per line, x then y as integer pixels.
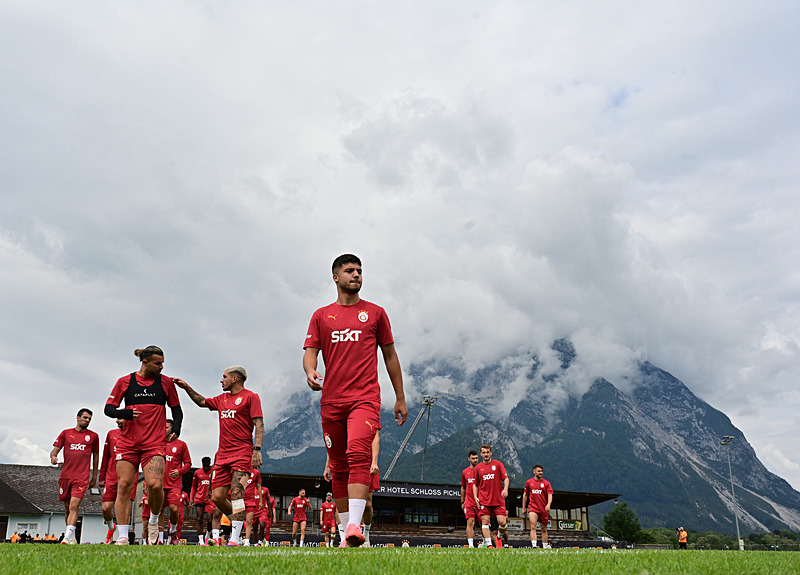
{"type": "Point", "coordinates": [64, 560]}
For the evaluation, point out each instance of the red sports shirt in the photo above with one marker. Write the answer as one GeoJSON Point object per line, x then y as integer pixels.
{"type": "Point", "coordinates": [78, 449]}
{"type": "Point", "coordinates": [349, 337]}
{"type": "Point", "coordinates": [201, 482]}
{"type": "Point", "coordinates": [148, 431]}
{"type": "Point", "coordinates": [299, 505]}
{"type": "Point", "coordinates": [489, 478]}
{"type": "Point", "coordinates": [328, 512]}
{"type": "Point", "coordinates": [177, 458]}
{"type": "Point", "coordinates": [236, 413]}
{"type": "Point", "coordinates": [467, 480]}
{"type": "Point", "coordinates": [537, 494]}
{"type": "Point", "coordinates": [108, 466]}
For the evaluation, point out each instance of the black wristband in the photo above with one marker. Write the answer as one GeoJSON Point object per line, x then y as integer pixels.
{"type": "Point", "coordinates": [257, 448]}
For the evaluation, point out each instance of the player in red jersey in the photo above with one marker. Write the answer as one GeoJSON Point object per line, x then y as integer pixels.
{"type": "Point", "coordinates": [538, 496]}
{"type": "Point", "coordinates": [269, 503]}
{"type": "Point", "coordinates": [374, 485]}
{"type": "Point", "coordinates": [182, 513]}
{"type": "Point", "coordinates": [108, 478]}
{"type": "Point", "coordinates": [146, 394]}
{"type": "Point", "coordinates": [327, 519]}
{"type": "Point", "coordinates": [349, 333]}
{"type": "Point", "coordinates": [239, 416]}
{"type": "Point", "coordinates": [200, 497]}
{"type": "Point", "coordinates": [297, 510]}
{"type": "Point", "coordinates": [471, 511]}
{"type": "Point", "coordinates": [80, 445]}
{"type": "Point", "coordinates": [490, 491]}
{"type": "Point", "coordinates": [178, 462]}
{"type": "Point", "coordinates": [252, 503]}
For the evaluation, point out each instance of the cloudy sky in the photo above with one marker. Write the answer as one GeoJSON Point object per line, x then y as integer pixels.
{"type": "Point", "coordinates": [183, 173]}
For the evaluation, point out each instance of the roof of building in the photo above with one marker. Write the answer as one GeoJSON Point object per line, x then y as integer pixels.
{"type": "Point", "coordinates": [33, 489]}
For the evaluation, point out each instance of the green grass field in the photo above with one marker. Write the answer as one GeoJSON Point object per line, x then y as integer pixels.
{"type": "Point", "coordinates": [65, 560]}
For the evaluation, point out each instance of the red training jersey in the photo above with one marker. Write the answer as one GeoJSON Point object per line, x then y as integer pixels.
{"type": "Point", "coordinates": [537, 491]}
{"type": "Point", "coordinates": [150, 396]}
{"type": "Point", "coordinates": [177, 458]}
{"type": "Point", "coordinates": [299, 506]}
{"type": "Point", "coordinates": [328, 513]}
{"type": "Point", "coordinates": [236, 414]}
{"type": "Point", "coordinates": [467, 480]}
{"type": "Point", "coordinates": [251, 495]}
{"type": "Point", "coordinates": [489, 478]}
{"type": "Point", "coordinates": [78, 449]}
{"type": "Point", "coordinates": [201, 483]}
{"type": "Point", "coordinates": [108, 466]}
{"type": "Point", "coordinates": [349, 337]}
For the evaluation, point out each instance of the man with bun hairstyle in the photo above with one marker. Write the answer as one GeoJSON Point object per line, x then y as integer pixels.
{"type": "Point", "coordinates": [146, 394]}
{"type": "Point", "coordinates": [349, 333]}
{"type": "Point", "coordinates": [240, 416]}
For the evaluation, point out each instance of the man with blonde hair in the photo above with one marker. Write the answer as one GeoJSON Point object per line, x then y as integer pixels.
{"type": "Point", "coordinates": [239, 416]}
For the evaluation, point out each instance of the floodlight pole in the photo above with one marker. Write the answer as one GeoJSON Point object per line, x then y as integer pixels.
{"type": "Point", "coordinates": [427, 401]}
{"type": "Point", "coordinates": [726, 441]}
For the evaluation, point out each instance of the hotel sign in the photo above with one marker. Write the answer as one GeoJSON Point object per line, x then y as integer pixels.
{"type": "Point", "coordinates": [418, 491]}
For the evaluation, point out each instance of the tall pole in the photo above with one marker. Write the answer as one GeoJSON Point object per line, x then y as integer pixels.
{"type": "Point", "coordinates": [726, 441]}
{"type": "Point", "coordinates": [427, 401]}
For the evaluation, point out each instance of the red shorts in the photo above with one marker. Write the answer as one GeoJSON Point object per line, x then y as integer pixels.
{"type": "Point", "coordinates": [145, 511]}
{"type": "Point", "coordinates": [348, 430]}
{"type": "Point", "coordinates": [250, 509]}
{"type": "Point", "coordinates": [495, 510]}
{"type": "Point", "coordinates": [471, 511]}
{"type": "Point", "coordinates": [542, 516]}
{"type": "Point", "coordinates": [172, 496]}
{"type": "Point", "coordinates": [69, 488]}
{"type": "Point", "coordinates": [299, 518]}
{"type": "Point", "coordinates": [210, 507]}
{"type": "Point", "coordinates": [374, 482]}
{"type": "Point", "coordinates": [141, 457]}
{"type": "Point", "coordinates": [329, 527]}
{"type": "Point", "coordinates": [222, 476]}
{"type": "Point", "coordinates": [110, 491]}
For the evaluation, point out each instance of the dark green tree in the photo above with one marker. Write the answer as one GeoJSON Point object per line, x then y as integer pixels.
{"type": "Point", "coordinates": [621, 523]}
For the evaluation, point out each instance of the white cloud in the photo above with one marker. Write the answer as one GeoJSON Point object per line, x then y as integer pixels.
{"type": "Point", "coordinates": [510, 174]}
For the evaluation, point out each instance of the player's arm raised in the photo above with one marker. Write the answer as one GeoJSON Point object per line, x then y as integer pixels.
{"type": "Point", "coordinates": [396, 377]}
{"type": "Point", "coordinates": [193, 395]}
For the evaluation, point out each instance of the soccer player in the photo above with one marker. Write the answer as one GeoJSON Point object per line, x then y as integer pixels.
{"type": "Point", "coordinates": [182, 513]}
{"type": "Point", "coordinates": [146, 394]}
{"type": "Point", "coordinates": [108, 478]}
{"type": "Point", "coordinates": [297, 509]}
{"type": "Point", "coordinates": [327, 519]}
{"type": "Point", "coordinates": [349, 333]}
{"type": "Point", "coordinates": [490, 491]}
{"type": "Point", "coordinates": [239, 416]}
{"type": "Point", "coordinates": [468, 504]}
{"type": "Point", "coordinates": [178, 463]}
{"type": "Point", "coordinates": [270, 516]}
{"type": "Point", "coordinates": [539, 496]}
{"type": "Point", "coordinates": [80, 445]}
{"type": "Point", "coordinates": [200, 497]}
{"type": "Point", "coordinates": [374, 485]}
{"type": "Point", "coordinates": [252, 503]}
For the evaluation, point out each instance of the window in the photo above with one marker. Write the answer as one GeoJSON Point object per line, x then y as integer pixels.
{"type": "Point", "coordinates": [29, 527]}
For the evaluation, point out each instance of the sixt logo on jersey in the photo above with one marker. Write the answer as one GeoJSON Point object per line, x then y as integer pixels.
{"type": "Point", "coordinates": [488, 476]}
{"type": "Point", "coordinates": [345, 335]}
{"type": "Point", "coordinates": [77, 446]}
{"type": "Point", "coordinates": [228, 414]}
{"type": "Point", "coordinates": [537, 491]}
{"type": "Point", "coordinates": [170, 457]}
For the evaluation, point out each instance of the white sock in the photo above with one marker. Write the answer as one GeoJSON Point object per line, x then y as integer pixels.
{"type": "Point", "coordinates": [533, 543]}
{"type": "Point", "coordinates": [302, 543]}
{"type": "Point", "coordinates": [110, 524]}
{"type": "Point", "coordinates": [340, 529]}
{"type": "Point", "coordinates": [366, 532]}
{"type": "Point", "coordinates": [215, 533]}
{"type": "Point", "coordinates": [70, 534]}
{"type": "Point", "coordinates": [357, 507]}
{"type": "Point", "coordinates": [153, 519]}
{"type": "Point", "coordinates": [247, 543]}
{"type": "Point", "coordinates": [236, 530]}
{"type": "Point", "coordinates": [173, 528]}
{"type": "Point", "coordinates": [160, 536]}
{"type": "Point", "coordinates": [470, 541]}
{"type": "Point", "coordinates": [124, 530]}
{"type": "Point", "coordinates": [200, 539]}
{"type": "Point", "coordinates": [345, 517]}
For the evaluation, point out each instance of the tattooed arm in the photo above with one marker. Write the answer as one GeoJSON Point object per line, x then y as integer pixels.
{"type": "Point", "coordinates": [193, 395]}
